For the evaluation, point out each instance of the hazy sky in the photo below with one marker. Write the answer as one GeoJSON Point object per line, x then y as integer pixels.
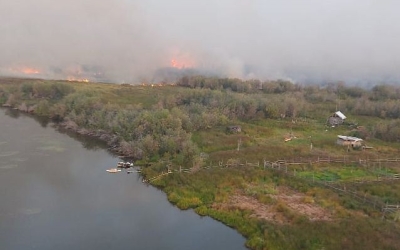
{"type": "Point", "coordinates": [127, 40]}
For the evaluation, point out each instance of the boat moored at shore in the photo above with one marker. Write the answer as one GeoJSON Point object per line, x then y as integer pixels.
{"type": "Point", "coordinates": [122, 164]}
{"type": "Point", "coordinates": [113, 170]}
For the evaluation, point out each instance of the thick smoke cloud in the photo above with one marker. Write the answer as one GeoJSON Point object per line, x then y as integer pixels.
{"type": "Point", "coordinates": [129, 40]}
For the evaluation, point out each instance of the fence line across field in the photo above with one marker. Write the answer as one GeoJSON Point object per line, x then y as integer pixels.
{"type": "Point", "coordinates": [339, 186]}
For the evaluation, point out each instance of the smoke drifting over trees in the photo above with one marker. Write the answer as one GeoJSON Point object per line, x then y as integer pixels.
{"type": "Point", "coordinates": [129, 40]}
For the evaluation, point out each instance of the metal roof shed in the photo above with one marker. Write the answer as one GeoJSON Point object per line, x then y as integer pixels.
{"type": "Point", "coordinates": [340, 114]}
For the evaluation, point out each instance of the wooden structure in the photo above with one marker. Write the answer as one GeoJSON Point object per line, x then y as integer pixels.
{"type": "Point", "coordinates": [336, 119]}
{"type": "Point", "coordinates": [349, 141]}
{"type": "Point", "coordinates": [234, 129]}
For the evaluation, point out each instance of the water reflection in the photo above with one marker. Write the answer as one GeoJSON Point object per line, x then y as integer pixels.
{"type": "Point", "coordinates": [64, 199]}
{"type": "Point", "coordinates": [43, 121]}
{"type": "Point", "coordinates": [87, 142]}
{"type": "Point", "coordinates": [12, 112]}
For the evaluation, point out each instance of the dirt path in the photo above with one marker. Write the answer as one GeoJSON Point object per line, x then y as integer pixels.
{"type": "Point", "coordinates": [285, 199]}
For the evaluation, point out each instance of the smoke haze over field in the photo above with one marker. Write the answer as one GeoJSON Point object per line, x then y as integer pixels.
{"type": "Point", "coordinates": [129, 40]}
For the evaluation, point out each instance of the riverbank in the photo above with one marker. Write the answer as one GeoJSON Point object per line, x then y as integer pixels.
{"type": "Point", "coordinates": [170, 128]}
{"type": "Point", "coordinates": [56, 194]}
{"type": "Point", "coordinates": [112, 140]}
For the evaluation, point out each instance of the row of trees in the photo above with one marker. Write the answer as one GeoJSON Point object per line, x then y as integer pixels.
{"type": "Point", "coordinates": [380, 101]}
{"type": "Point", "coordinates": [165, 128]}
{"type": "Point", "coordinates": [340, 90]}
{"type": "Point", "coordinates": [238, 85]}
{"type": "Point", "coordinates": [143, 133]}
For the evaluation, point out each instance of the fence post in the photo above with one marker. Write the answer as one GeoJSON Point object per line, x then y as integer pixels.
{"type": "Point", "coordinates": [384, 211]}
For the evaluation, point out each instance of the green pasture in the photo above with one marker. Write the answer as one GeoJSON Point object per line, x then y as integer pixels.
{"type": "Point", "coordinates": [209, 191]}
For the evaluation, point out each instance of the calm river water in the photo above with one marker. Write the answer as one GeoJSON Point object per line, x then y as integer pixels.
{"type": "Point", "coordinates": [56, 194]}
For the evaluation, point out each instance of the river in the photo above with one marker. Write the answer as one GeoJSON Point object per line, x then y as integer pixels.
{"type": "Point", "coordinates": [55, 193]}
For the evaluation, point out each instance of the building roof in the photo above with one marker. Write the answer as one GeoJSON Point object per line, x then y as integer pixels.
{"type": "Point", "coordinates": [340, 114]}
{"type": "Point", "coordinates": [349, 138]}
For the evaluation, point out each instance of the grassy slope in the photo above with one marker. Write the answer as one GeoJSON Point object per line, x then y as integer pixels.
{"type": "Point", "coordinates": [210, 192]}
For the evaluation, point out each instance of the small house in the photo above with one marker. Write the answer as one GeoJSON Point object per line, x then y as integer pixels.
{"type": "Point", "coordinates": [336, 118]}
{"type": "Point", "coordinates": [234, 129]}
{"type": "Point", "coordinates": [349, 141]}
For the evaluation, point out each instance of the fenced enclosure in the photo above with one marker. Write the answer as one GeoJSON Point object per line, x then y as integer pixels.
{"type": "Point", "coordinates": [303, 168]}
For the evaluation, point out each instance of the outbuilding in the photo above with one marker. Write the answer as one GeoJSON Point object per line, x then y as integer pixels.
{"type": "Point", "coordinates": [349, 141]}
{"type": "Point", "coordinates": [234, 129]}
{"type": "Point", "coordinates": [336, 118]}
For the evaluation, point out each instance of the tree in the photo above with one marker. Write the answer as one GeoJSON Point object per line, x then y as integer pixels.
{"type": "Point", "coordinates": [58, 112]}
{"type": "Point", "coordinates": [43, 108]}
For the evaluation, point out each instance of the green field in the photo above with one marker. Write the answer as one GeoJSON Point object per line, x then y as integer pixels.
{"type": "Point", "coordinates": [185, 126]}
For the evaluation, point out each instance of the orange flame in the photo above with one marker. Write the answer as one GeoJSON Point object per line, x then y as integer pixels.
{"type": "Point", "coordinates": [181, 63]}
{"type": "Point", "coordinates": [73, 79]}
{"type": "Point", "coordinates": [26, 70]}
{"type": "Point", "coordinates": [30, 71]}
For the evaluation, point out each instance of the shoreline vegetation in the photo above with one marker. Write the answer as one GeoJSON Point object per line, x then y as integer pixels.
{"type": "Point", "coordinates": [227, 130]}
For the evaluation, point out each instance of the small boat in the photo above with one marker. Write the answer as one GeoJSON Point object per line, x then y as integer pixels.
{"type": "Point", "coordinates": [122, 164]}
{"type": "Point", "coordinates": [113, 170]}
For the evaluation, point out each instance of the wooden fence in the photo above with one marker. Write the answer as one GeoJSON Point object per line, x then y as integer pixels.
{"type": "Point", "coordinates": [342, 187]}
{"type": "Point", "coordinates": [283, 166]}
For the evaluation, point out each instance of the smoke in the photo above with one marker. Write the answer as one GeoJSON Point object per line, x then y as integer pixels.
{"type": "Point", "coordinates": [130, 40]}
